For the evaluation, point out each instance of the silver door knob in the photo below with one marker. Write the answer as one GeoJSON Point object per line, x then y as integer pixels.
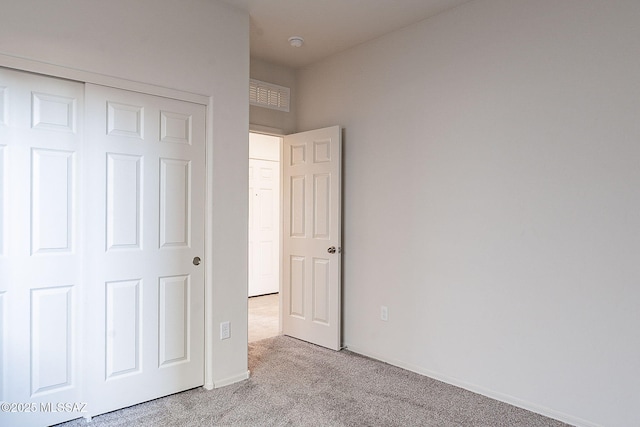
{"type": "Point", "coordinates": [332, 250]}
{"type": "Point", "coordinates": [196, 260]}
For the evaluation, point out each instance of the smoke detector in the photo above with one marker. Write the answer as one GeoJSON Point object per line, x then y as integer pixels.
{"type": "Point", "coordinates": [296, 41]}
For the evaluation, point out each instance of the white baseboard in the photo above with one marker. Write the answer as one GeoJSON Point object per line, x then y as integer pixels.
{"type": "Point", "coordinates": [511, 400]}
{"type": "Point", "coordinates": [230, 380]}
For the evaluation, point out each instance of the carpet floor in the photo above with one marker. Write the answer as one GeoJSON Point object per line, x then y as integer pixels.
{"type": "Point", "coordinates": [294, 383]}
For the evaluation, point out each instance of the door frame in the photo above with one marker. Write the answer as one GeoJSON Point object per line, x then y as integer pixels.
{"type": "Point", "coordinates": [28, 65]}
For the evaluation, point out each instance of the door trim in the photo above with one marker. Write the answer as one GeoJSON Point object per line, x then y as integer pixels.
{"type": "Point", "coordinates": [24, 64]}
{"type": "Point", "coordinates": [44, 68]}
{"type": "Point", "coordinates": [266, 130]}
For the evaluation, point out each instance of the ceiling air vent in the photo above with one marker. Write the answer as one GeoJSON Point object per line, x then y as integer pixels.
{"type": "Point", "coordinates": [268, 95]}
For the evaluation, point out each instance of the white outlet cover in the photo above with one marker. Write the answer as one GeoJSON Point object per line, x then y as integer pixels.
{"type": "Point", "coordinates": [225, 330]}
{"type": "Point", "coordinates": [384, 313]}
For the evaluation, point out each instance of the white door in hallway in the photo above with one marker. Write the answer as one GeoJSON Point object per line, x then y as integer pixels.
{"type": "Point", "coordinates": [145, 290]}
{"type": "Point", "coordinates": [41, 288]}
{"type": "Point", "coordinates": [264, 227]}
{"type": "Point", "coordinates": [312, 236]}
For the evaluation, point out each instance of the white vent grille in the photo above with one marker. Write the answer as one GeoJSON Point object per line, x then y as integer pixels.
{"type": "Point", "coordinates": [269, 95]}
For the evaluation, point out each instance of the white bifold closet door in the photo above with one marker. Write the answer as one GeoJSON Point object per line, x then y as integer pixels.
{"type": "Point", "coordinates": [101, 220]}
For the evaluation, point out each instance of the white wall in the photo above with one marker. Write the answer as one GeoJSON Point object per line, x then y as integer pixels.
{"type": "Point", "coordinates": [284, 76]}
{"type": "Point", "coordinates": [200, 46]}
{"type": "Point", "coordinates": [492, 164]}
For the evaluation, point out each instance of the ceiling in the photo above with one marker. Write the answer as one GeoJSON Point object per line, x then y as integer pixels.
{"type": "Point", "coordinates": [328, 26]}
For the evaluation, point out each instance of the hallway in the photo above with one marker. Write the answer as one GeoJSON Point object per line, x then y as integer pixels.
{"type": "Point", "coordinates": [263, 317]}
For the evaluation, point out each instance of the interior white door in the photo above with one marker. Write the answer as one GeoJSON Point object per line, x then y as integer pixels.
{"type": "Point", "coordinates": [264, 227]}
{"type": "Point", "coordinates": [145, 292]}
{"type": "Point", "coordinates": [40, 247]}
{"type": "Point", "coordinates": [312, 163]}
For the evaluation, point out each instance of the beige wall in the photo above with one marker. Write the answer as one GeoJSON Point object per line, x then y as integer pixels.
{"type": "Point", "coordinates": [200, 46]}
{"type": "Point", "coordinates": [491, 200]}
{"type": "Point", "coordinates": [280, 75]}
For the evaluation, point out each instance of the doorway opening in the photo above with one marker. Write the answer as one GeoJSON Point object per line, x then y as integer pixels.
{"type": "Point", "coordinates": [264, 236]}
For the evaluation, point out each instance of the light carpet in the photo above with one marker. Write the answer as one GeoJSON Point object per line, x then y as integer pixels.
{"type": "Point", "coordinates": [294, 383]}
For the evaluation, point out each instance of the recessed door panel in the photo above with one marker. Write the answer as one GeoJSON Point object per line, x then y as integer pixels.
{"type": "Point", "coordinates": [123, 333]}
{"type": "Point", "coordinates": [174, 319]}
{"type": "Point", "coordinates": [51, 112]}
{"type": "Point", "coordinates": [266, 209]}
{"type": "Point", "coordinates": [266, 174]}
{"type": "Point", "coordinates": [298, 154]}
{"type": "Point", "coordinates": [125, 120]}
{"type": "Point", "coordinates": [52, 200]}
{"type": "Point", "coordinates": [175, 127]}
{"type": "Point", "coordinates": [322, 206]}
{"type": "Point", "coordinates": [174, 202]}
{"type": "Point", "coordinates": [52, 335]}
{"type": "Point", "coordinates": [322, 151]}
{"type": "Point", "coordinates": [297, 280]}
{"type": "Point", "coordinates": [321, 290]}
{"type": "Point", "coordinates": [124, 201]}
{"type": "Point", "coordinates": [298, 205]}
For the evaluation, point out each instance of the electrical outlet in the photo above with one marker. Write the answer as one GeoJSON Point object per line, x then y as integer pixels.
{"type": "Point", "coordinates": [225, 330]}
{"type": "Point", "coordinates": [384, 313]}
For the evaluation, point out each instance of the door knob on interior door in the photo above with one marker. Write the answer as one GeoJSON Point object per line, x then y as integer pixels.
{"type": "Point", "coordinates": [332, 250]}
{"type": "Point", "coordinates": [196, 260]}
